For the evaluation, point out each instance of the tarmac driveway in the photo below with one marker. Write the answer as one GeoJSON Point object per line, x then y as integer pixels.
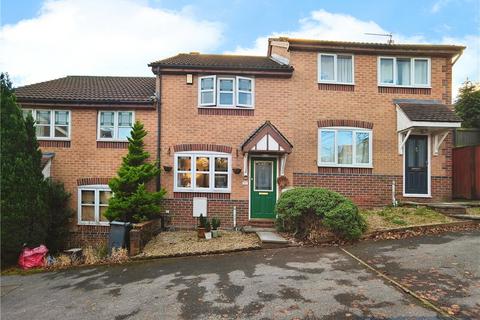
{"type": "Point", "coordinates": [443, 269]}
{"type": "Point", "coordinates": [269, 284]}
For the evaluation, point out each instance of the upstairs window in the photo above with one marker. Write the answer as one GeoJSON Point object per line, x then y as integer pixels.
{"type": "Point", "coordinates": [344, 147]}
{"type": "Point", "coordinates": [50, 124]}
{"type": "Point", "coordinates": [404, 72]}
{"type": "Point", "coordinates": [335, 68]}
{"type": "Point", "coordinates": [226, 92]}
{"type": "Point", "coordinates": [115, 125]}
{"type": "Point", "coordinates": [202, 172]}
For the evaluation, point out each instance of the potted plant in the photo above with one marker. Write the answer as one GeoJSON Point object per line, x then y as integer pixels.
{"type": "Point", "coordinates": [208, 228]}
{"type": "Point", "coordinates": [202, 221]}
{"type": "Point", "coordinates": [215, 226]}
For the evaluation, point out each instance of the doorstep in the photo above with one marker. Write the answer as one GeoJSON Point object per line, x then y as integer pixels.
{"type": "Point", "coordinates": [271, 237]}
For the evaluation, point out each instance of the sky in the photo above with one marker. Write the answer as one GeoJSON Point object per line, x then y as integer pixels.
{"type": "Point", "coordinates": [46, 39]}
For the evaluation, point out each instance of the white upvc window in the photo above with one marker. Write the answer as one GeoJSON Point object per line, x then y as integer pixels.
{"type": "Point", "coordinates": [335, 68]}
{"type": "Point", "coordinates": [344, 147]}
{"type": "Point", "coordinates": [404, 71]}
{"type": "Point", "coordinates": [202, 171]}
{"type": "Point", "coordinates": [207, 91]}
{"type": "Point", "coordinates": [114, 125]}
{"type": "Point", "coordinates": [226, 92]}
{"type": "Point", "coordinates": [50, 124]}
{"type": "Point", "coordinates": [92, 204]}
{"type": "Point", "coordinates": [245, 92]}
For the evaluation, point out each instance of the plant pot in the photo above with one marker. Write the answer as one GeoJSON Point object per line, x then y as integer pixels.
{"type": "Point", "coordinates": [237, 170]}
{"type": "Point", "coordinates": [201, 233]}
{"type": "Point", "coordinates": [215, 233]}
{"type": "Point", "coordinates": [167, 168]}
{"type": "Point", "coordinates": [208, 235]}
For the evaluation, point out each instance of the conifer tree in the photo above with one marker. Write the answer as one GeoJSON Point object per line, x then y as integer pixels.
{"type": "Point", "coordinates": [131, 201]}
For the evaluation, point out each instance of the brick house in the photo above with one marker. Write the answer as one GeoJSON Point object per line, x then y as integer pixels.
{"type": "Point", "coordinates": [367, 120]}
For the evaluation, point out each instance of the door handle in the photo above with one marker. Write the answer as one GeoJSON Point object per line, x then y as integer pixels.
{"type": "Point", "coordinates": [263, 193]}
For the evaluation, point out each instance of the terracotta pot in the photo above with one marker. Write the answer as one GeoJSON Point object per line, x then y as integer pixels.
{"type": "Point", "coordinates": [201, 232]}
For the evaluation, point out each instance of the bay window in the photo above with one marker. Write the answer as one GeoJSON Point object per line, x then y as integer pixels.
{"type": "Point", "coordinates": [202, 172]}
{"type": "Point", "coordinates": [226, 92]}
{"type": "Point", "coordinates": [335, 68]}
{"type": "Point", "coordinates": [115, 125]}
{"type": "Point", "coordinates": [404, 72]}
{"type": "Point", "coordinates": [50, 124]}
{"type": "Point", "coordinates": [344, 147]}
{"type": "Point", "coordinates": [92, 204]}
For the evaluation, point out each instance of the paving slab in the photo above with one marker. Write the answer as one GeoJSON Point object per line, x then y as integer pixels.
{"type": "Point", "coordinates": [271, 237]}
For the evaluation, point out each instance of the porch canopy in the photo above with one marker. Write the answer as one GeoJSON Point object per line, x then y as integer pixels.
{"type": "Point", "coordinates": [424, 117]}
{"type": "Point", "coordinates": [266, 139]}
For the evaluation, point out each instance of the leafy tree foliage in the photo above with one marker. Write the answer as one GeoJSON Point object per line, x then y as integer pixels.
{"type": "Point", "coordinates": [468, 105]}
{"type": "Point", "coordinates": [131, 201]}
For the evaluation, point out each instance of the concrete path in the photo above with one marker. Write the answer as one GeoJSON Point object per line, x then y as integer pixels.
{"type": "Point", "coordinates": [268, 284]}
{"type": "Point", "coordinates": [271, 237]}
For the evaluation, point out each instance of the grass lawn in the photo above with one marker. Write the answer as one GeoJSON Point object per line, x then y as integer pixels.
{"type": "Point", "coordinates": [390, 217]}
{"type": "Point", "coordinates": [187, 242]}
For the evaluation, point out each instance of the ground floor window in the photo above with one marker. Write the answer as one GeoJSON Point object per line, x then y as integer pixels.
{"type": "Point", "coordinates": [344, 147]}
{"type": "Point", "coordinates": [92, 203]}
{"type": "Point", "coordinates": [202, 172]}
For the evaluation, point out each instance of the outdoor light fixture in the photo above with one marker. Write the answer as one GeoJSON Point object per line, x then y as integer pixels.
{"type": "Point", "coordinates": [189, 78]}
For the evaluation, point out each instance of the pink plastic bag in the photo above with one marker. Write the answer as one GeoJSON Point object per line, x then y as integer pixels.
{"type": "Point", "coordinates": [31, 258]}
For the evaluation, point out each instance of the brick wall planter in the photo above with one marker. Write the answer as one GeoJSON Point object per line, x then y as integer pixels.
{"type": "Point", "coordinates": [142, 233]}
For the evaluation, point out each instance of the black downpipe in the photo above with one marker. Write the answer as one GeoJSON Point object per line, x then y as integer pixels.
{"type": "Point", "coordinates": [159, 128]}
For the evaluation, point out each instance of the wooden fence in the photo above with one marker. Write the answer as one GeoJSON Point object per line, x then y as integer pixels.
{"type": "Point", "coordinates": [467, 137]}
{"type": "Point", "coordinates": [466, 172]}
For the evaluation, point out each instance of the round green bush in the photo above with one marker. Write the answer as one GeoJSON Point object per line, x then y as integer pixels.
{"type": "Point", "coordinates": [297, 207]}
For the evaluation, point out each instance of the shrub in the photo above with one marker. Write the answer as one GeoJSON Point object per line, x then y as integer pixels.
{"type": "Point", "coordinates": [300, 209]}
{"type": "Point", "coordinates": [215, 223]}
{"type": "Point", "coordinates": [131, 201]}
{"type": "Point", "coordinates": [59, 213]}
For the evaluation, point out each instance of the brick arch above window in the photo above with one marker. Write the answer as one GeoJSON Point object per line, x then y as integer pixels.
{"type": "Point", "coordinates": [345, 123]}
{"type": "Point", "coordinates": [90, 181]}
{"type": "Point", "coordinates": [202, 147]}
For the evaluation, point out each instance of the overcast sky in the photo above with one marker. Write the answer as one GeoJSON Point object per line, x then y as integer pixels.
{"type": "Point", "coordinates": [47, 39]}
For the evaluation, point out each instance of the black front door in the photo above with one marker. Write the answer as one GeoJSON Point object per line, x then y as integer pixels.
{"type": "Point", "coordinates": [416, 165]}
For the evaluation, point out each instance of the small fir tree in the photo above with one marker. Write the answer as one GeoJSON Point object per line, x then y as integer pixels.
{"type": "Point", "coordinates": [468, 105]}
{"type": "Point", "coordinates": [131, 201]}
{"type": "Point", "coordinates": [22, 206]}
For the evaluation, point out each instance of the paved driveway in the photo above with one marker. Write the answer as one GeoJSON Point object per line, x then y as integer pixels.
{"type": "Point", "coordinates": [280, 284]}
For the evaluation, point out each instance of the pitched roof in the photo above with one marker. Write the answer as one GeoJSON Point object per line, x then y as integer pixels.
{"type": "Point", "coordinates": [428, 111]}
{"type": "Point", "coordinates": [267, 128]}
{"type": "Point", "coordinates": [90, 90]}
{"type": "Point", "coordinates": [222, 61]}
{"type": "Point", "coordinates": [435, 49]}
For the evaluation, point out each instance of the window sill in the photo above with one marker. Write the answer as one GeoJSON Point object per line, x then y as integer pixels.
{"type": "Point", "coordinates": [53, 139]}
{"type": "Point", "coordinates": [226, 107]}
{"type": "Point", "coordinates": [405, 87]}
{"type": "Point", "coordinates": [201, 191]}
{"type": "Point", "coordinates": [94, 224]}
{"type": "Point", "coordinates": [343, 166]}
{"type": "Point", "coordinates": [339, 83]}
{"type": "Point", "coordinates": [111, 140]}
{"type": "Point", "coordinates": [407, 195]}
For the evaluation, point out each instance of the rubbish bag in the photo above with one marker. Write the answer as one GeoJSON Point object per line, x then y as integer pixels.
{"type": "Point", "coordinates": [32, 258]}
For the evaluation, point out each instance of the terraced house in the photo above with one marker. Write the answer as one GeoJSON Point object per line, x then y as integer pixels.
{"type": "Point", "coordinates": [371, 121]}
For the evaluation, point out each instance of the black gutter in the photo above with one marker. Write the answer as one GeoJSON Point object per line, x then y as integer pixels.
{"type": "Point", "coordinates": [159, 128]}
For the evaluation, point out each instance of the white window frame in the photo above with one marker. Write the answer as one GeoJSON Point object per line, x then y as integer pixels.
{"type": "Point", "coordinates": [412, 72]}
{"type": "Point", "coordinates": [96, 188]}
{"type": "Point", "coordinates": [52, 123]}
{"type": "Point", "coordinates": [335, 75]}
{"type": "Point", "coordinates": [115, 125]}
{"type": "Point", "coordinates": [354, 130]}
{"type": "Point", "coordinates": [214, 90]}
{"type": "Point", "coordinates": [233, 92]}
{"type": "Point", "coordinates": [238, 91]}
{"type": "Point", "coordinates": [193, 171]}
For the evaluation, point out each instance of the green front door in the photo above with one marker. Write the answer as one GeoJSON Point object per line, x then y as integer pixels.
{"type": "Point", "coordinates": [263, 187]}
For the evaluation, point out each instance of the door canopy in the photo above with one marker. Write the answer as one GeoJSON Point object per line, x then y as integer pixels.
{"type": "Point", "coordinates": [267, 139]}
